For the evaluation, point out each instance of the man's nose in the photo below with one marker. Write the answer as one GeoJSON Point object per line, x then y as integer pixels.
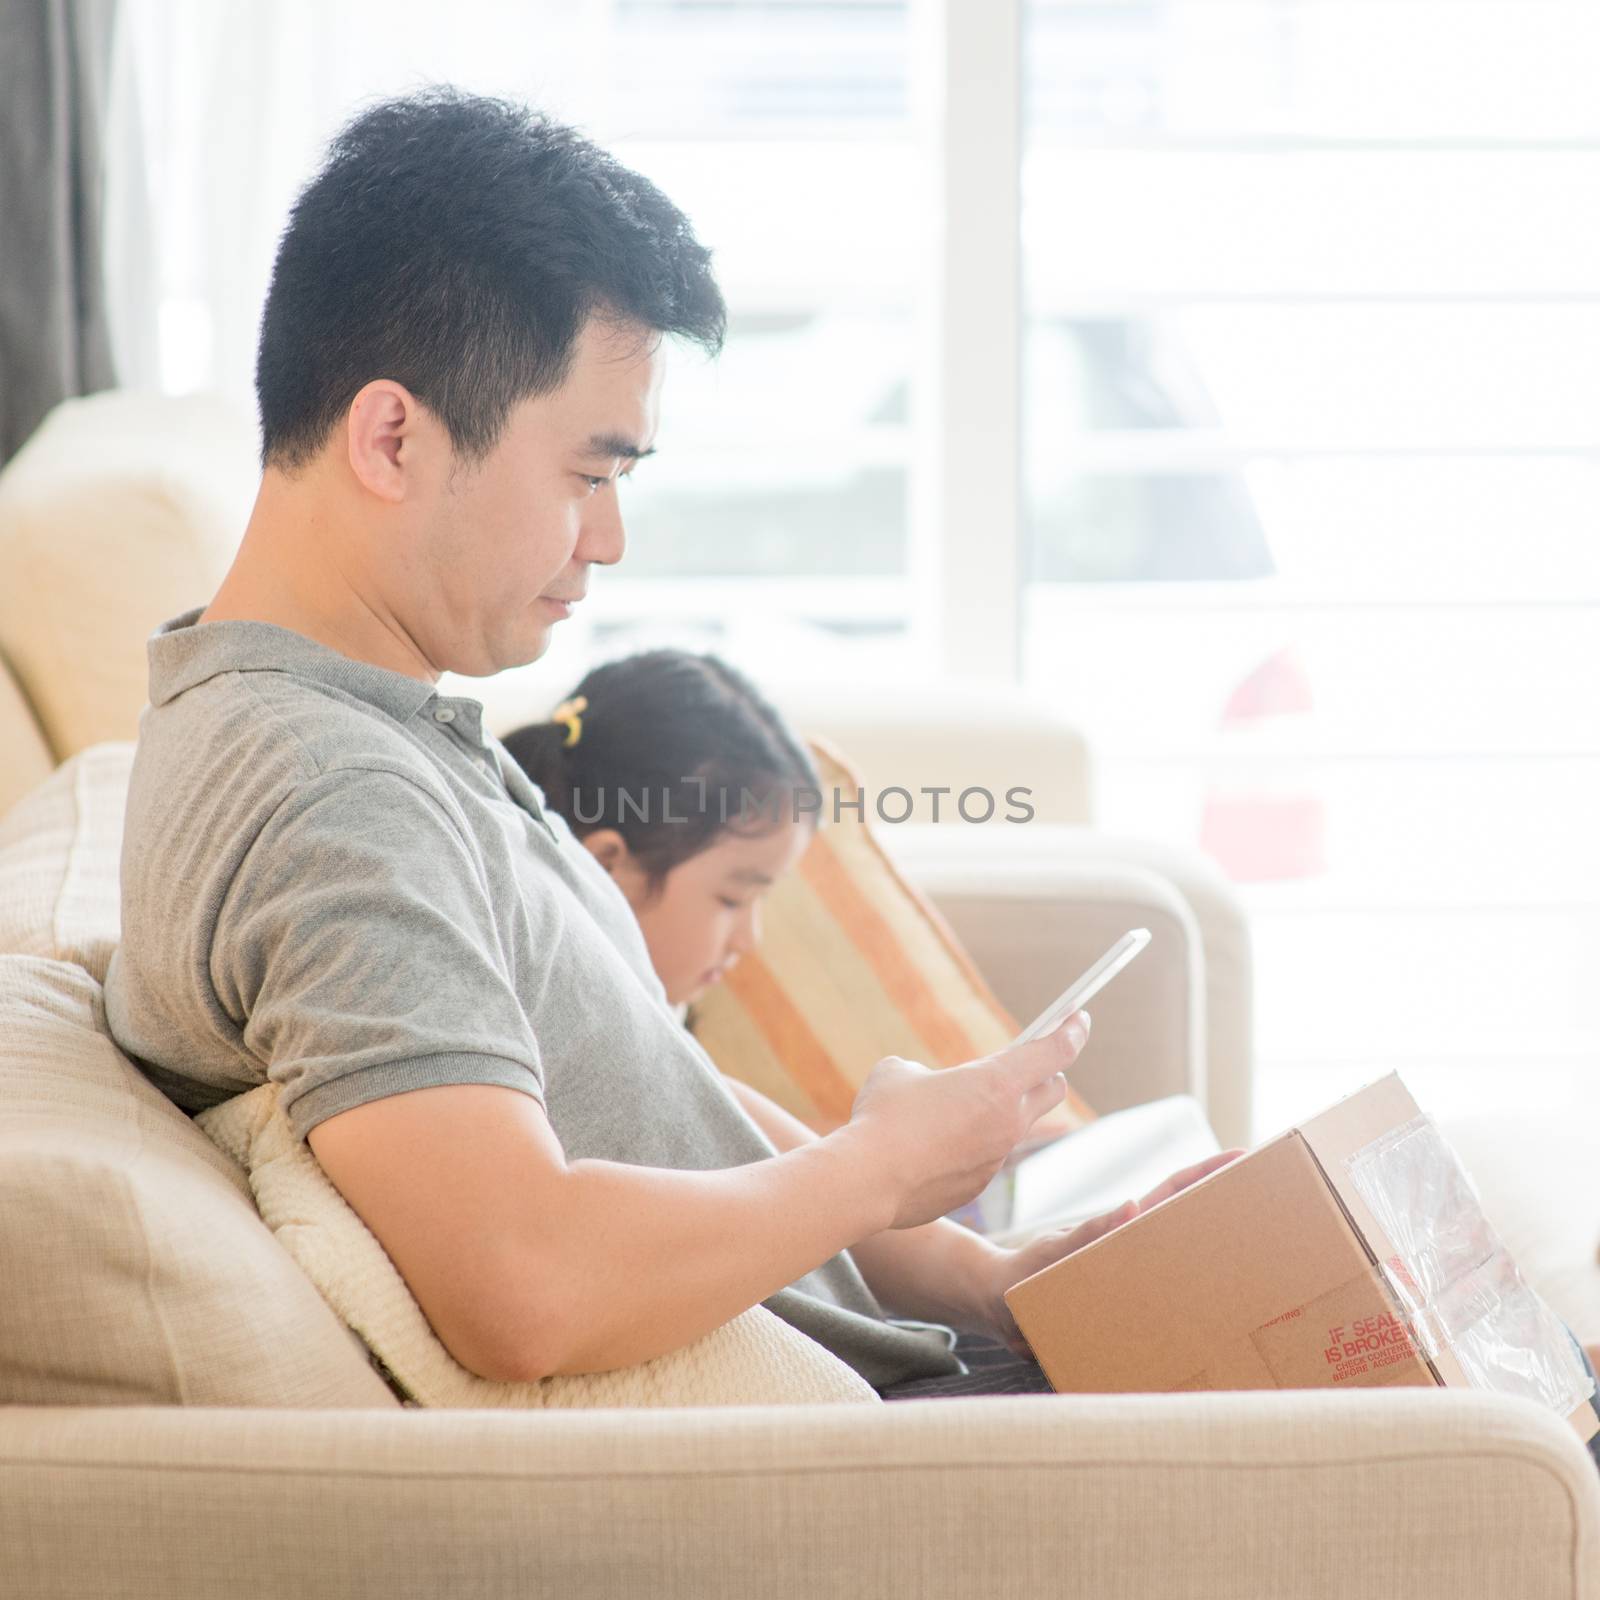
{"type": "Point", "coordinates": [602, 539]}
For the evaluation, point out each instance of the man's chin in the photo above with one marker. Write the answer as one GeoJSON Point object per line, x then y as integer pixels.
{"type": "Point", "coordinates": [521, 650]}
{"type": "Point", "coordinates": [533, 647]}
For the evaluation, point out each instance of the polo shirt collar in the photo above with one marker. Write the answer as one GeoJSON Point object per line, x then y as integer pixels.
{"type": "Point", "coordinates": [184, 652]}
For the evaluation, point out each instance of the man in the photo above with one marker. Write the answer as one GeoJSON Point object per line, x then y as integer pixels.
{"type": "Point", "coordinates": [333, 880]}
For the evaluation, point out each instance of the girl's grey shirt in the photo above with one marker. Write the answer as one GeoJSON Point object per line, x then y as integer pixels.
{"type": "Point", "coordinates": [335, 879]}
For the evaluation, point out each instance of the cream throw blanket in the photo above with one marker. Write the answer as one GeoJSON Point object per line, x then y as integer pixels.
{"type": "Point", "coordinates": [756, 1359]}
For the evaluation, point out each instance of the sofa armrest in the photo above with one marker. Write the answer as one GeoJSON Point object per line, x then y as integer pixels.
{"type": "Point", "coordinates": [1225, 942]}
{"type": "Point", "coordinates": [1433, 1496]}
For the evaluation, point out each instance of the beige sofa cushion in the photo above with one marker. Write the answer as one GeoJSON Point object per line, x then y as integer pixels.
{"type": "Point", "coordinates": [756, 1359]}
{"type": "Point", "coordinates": [122, 510]}
{"type": "Point", "coordinates": [59, 851]}
{"type": "Point", "coordinates": [135, 1269]}
{"type": "Point", "coordinates": [25, 758]}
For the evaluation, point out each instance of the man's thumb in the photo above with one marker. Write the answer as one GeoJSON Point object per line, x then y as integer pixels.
{"type": "Point", "coordinates": [1074, 1033]}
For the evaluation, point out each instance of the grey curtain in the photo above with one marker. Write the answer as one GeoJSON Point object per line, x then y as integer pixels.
{"type": "Point", "coordinates": [55, 70]}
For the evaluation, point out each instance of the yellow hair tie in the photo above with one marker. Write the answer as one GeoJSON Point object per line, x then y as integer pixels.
{"type": "Point", "coordinates": [569, 712]}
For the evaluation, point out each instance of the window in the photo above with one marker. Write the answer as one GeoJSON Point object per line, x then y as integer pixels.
{"type": "Point", "coordinates": [1313, 450]}
{"type": "Point", "coordinates": [775, 521]}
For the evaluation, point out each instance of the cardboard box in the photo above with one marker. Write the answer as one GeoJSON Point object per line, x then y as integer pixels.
{"type": "Point", "coordinates": [1348, 1252]}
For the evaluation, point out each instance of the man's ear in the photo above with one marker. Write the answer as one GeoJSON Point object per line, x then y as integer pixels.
{"type": "Point", "coordinates": [380, 424]}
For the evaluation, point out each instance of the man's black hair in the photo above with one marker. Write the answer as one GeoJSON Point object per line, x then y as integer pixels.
{"type": "Point", "coordinates": [458, 244]}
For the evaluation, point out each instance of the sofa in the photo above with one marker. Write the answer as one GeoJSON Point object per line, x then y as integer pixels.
{"type": "Point", "coordinates": [184, 1417]}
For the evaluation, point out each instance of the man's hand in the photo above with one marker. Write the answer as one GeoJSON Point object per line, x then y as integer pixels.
{"type": "Point", "coordinates": [937, 1138]}
{"type": "Point", "coordinates": [1012, 1266]}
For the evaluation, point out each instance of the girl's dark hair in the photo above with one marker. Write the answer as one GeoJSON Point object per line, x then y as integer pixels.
{"type": "Point", "coordinates": [667, 733]}
{"type": "Point", "coordinates": [457, 244]}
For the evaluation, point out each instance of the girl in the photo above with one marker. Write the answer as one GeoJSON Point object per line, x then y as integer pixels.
{"type": "Point", "coordinates": [680, 779]}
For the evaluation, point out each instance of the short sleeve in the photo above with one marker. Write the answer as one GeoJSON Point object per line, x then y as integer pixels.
{"type": "Point", "coordinates": [360, 952]}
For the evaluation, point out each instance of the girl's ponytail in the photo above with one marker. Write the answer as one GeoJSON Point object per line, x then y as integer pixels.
{"type": "Point", "coordinates": [540, 749]}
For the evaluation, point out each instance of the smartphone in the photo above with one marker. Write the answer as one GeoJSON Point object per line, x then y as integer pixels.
{"type": "Point", "coordinates": [1077, 995]}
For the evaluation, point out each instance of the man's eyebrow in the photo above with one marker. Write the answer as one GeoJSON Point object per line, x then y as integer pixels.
{"type": "Point", "coordinates": [749, 875]}
{"type": "Point", "coordinates": [610, 445]}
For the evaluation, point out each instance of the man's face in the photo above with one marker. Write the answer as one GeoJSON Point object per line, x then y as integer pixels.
{"type": "Point", "coordinates": [507, 543]}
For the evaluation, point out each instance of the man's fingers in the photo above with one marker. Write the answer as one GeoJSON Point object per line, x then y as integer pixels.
{"type": "Point", "coordinates": [1103, 1224]}
{"type": "Point", "coordinates": [1181, 1180]}
{"type": "Point", "coordinates": [1052, 1052]}
{"type": "Point", "coordinates": [1038, 1101]}
{"type": "Point", "coordinates": [1065, 1242]}
{"type": "Point", "coordinates": [1095, 1227]}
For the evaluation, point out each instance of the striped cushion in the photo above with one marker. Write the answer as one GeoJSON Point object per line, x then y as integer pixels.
{"type": "Point", "coordinates": [854, 964]}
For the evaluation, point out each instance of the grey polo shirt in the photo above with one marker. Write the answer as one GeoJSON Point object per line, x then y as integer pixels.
{"type": "Point", "coordinates": [335, 879]}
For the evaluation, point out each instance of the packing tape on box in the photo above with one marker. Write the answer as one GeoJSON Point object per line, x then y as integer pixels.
{"type": "Point", "coordinates": [1456, 1284]}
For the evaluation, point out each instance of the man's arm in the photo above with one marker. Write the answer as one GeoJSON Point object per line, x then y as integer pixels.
{"type": "Point", "coordinates": [527, 1265]}
{"type": "Point", "coordinates": [935, 1273]}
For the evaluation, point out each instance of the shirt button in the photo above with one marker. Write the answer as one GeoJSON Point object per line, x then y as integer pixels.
{"type": "Point", "coordinates": [483, 767]}
{"type": "Point", "coordinates": [444, 714]}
